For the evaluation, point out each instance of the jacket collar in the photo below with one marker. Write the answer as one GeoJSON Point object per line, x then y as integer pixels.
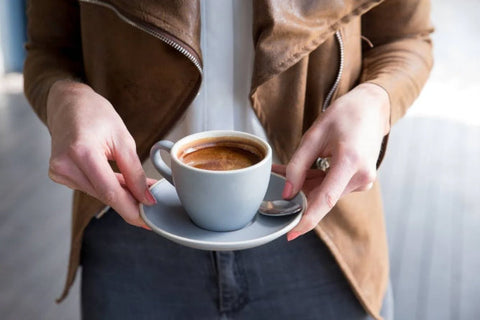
{"type": "Point", "coordinates": [283, 31]}
{"type": "Point", "coordinates": [286, 31]}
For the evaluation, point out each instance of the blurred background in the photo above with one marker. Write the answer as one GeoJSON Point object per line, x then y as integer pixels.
{"type": "Point", "coordinates": [430, 181]}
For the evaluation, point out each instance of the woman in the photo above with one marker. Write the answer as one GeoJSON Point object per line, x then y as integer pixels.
{"type": "Point", "coordinates": [109, 78]}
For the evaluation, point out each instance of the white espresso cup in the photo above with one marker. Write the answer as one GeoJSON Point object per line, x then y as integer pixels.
{"type": "Point", "coordinates": [221, 177]}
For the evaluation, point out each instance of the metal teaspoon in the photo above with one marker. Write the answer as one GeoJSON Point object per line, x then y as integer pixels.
{"type": "Point", "coordinates": [276, 208]}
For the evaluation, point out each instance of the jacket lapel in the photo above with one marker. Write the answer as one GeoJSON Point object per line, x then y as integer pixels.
{"type": "Point", "coordinates": [286, 31]}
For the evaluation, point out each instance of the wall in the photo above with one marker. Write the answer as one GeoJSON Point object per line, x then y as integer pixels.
{"type": "Point", "coordinates": [12, 35]}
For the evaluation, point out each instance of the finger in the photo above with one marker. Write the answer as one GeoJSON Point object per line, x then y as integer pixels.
{"type": "Point", "coordinates": [313, 180]}
{"type": "Point", "coordinates": [65, 171]}
{"type": "Point", "coordinates": [302, 160]}
{"type": "Point", "coordinates": [132, 170]}
{"type": "Point", "coordinates": [313, 177]}
{"type": "Point", "coordinates": [363, 188]}
{"type": "Point", "coordinates": [364, 178]}
{"type": "Point", "coordinates": [323, 198]}
{"type": "Point", "coordinates": [279, 169]}
{"type": "Point", "coordinates": [106, 186]}
{"type": "Point", "coordinates": [151, 182]}
{"type": "Point", "coordinates": [121, 180]}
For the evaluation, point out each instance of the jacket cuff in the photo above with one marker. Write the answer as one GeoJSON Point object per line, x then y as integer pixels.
{"type": "Point", "coordinates": [41, 71]}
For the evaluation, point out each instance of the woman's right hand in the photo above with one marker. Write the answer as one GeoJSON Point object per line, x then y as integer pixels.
{"type": "Point", "coordinates": [86, 133]}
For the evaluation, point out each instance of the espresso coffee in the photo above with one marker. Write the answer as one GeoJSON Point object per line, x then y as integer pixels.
{"type": "Point", "coordinates": [221, 154]}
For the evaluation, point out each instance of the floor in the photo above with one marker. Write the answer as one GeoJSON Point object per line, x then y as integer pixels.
{"type": "Point", "coordinates": [431, 196]}
{"type": "Point", "coordinates": [34, 233]}
{"type": "Point", "coordinates": [429, 181]}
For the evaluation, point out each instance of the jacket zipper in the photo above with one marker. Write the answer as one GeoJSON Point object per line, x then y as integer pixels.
{"type": "Point", "coordinates": [167, 39]}
{"type": "Point", "coordinates": [326, 102]}
{"type": "Point", "coordinates": [190, 56]}
{"type": "Point", "coordinates": [164, 37]}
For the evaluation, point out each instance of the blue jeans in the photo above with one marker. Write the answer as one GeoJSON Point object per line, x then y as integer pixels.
{"type": "Point", "coordinates": [131, 273]}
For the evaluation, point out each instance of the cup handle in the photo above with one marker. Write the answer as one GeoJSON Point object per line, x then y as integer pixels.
{"type": "Point", "coordinates": [157, 160]}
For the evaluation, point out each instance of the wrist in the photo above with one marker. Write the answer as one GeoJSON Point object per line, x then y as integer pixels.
{"type": "Point", "coordinates": [381, 96]}
{"type": "Point", "coordinates": [61, 93]}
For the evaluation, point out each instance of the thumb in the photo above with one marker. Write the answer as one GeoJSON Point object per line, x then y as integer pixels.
{"type": "Point", "coordinates": [295, 176]}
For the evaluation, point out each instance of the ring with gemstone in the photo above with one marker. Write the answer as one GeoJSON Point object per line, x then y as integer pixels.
{"type": "Point", "coordinates": [322, 164]}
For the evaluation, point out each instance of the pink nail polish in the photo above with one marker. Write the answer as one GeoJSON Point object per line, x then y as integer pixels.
{"type": "Point", "coordinates": [287, 190]}
{"type": "Point", "coordinates": [150, 199]}
{"type": "Point", "coordinates": [293, 235]}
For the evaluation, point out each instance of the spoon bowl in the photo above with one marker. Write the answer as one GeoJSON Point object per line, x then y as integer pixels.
{"type": "Point", "coordinates": [277, 208]}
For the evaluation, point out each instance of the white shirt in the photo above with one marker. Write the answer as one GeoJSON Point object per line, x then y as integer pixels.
{"type": "Point", "coordinates": [228, 53]}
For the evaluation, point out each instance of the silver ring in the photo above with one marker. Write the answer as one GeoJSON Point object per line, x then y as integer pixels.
{"type": "Point", "coordinates": [322, 164]}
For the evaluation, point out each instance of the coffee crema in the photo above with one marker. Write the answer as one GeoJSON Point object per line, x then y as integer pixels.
{"type": "Point", "coordinates": [221, 153]}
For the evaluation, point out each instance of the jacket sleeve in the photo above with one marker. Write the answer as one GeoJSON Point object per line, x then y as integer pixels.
{"type": "Point", "coordinates": [401, 57]}
{"type": "Point", "coordinates": [53, 49]}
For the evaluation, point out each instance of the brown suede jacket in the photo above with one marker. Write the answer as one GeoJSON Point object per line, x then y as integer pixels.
{"type": "Point", "coordinates": [144, 56]}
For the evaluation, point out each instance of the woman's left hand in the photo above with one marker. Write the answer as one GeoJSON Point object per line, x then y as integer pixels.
{"type": "Point", "coordinates": [350, 134]}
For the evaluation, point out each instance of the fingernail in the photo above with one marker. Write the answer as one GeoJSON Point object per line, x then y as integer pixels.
{"type": "Point", "coordinates": [146, 228]}
{"type": "Point", "coordinates": [287, 190]}
{"type": "Point", "coordinates": [293, 235]}
{"type": "Point", "coordinates": [150, 199]}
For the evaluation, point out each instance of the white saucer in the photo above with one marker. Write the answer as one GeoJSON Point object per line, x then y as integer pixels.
{"type": "Point", "coordinates": [169, 219]}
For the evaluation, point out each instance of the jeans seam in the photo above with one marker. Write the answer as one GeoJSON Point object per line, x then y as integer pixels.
{"type": "Point", "coordinates": [240, 275]}
{"type": "Point", "coordinates": [213, 260]}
